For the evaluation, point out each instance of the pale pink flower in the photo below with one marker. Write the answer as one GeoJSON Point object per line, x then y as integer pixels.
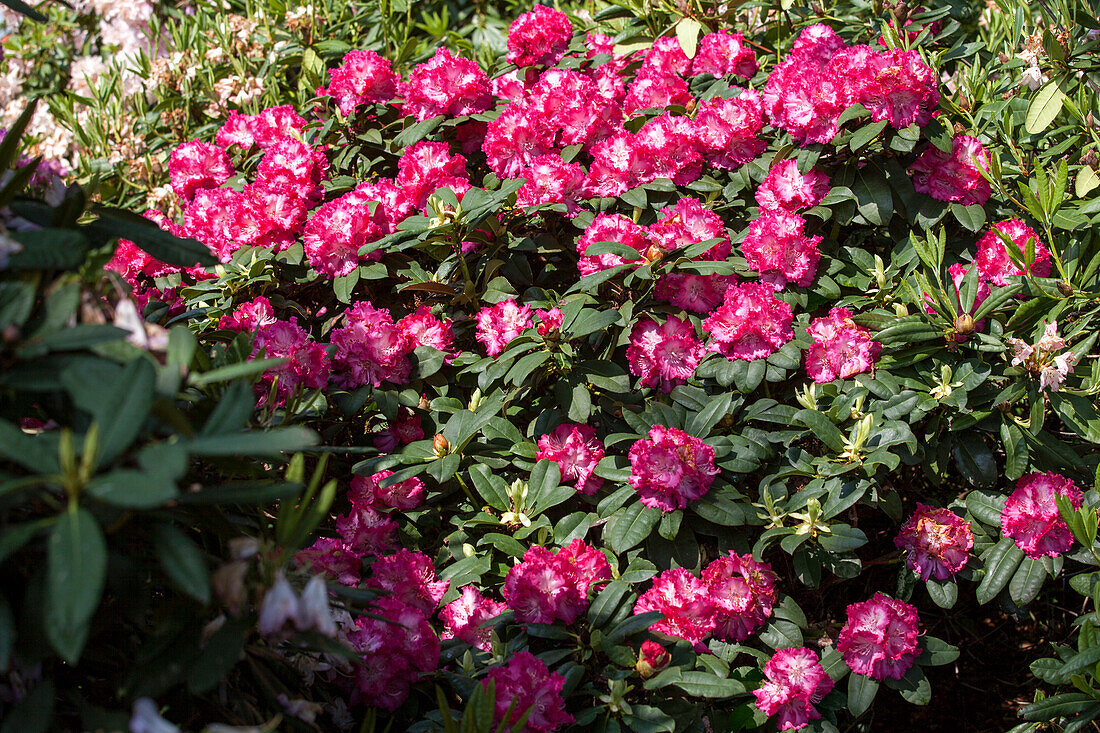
{"type": "Point", "coordinates": [498, 325]}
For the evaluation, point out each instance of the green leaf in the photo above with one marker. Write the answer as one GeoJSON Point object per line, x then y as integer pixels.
{"type": "Point", "coordinates": [936, 652]}
{"type": "Point", "coordinates": [9, 146]}
{"type": "Point", "coordinates": [119, 223]}
{"type": "Point", "coordinates": [914, 686]}
{"type": "Point", "coordinates": [1027, 581]}
{"type": "Point", "coordinates": [1079, 413]}
{"type": "Point", "coordinates": [492, 488]}
{"type": "Point", "coordinates": [222, 651]}
{"type": "Point", "coordinates": [1086, 181]}
{"type": "Point", "coordinates": [704, 684]}
{"type": "Point", "coordinates": [944, 593]}
{"type": "Point", "coordinates": [1064, 704]}
{"type": "Point", "coordinates": [34, 713]}
{"type": "Point", "coordinates": [132, 489]}
{"type": "Point", "coordinates": [233, 371]}
{"type": "Point", "coordinates": [986, 506]}
{"type": "Point", "coordinates": [1044, 107]}
{"type": "Point", "coordinates": [76, 570]}
{"type": "Point", "coordinates": [544, 489]}
{"type": "Point", "coordinates": [49, 249]}
{"type": "Point", "coordinates": [1000, 565]}
{"type": "Point", "coordinates": [972, 217]}
{"type": "Point", "coordinates": [266, 443]}
{"type": "Point", "coordinates": [822, 428]}
{"type": "Point", "coordinates": [866, 134]}
{"type": "Point", "coordinates": [629, 526]}
{"type": "Point", "coordinates": [861, 693]}
{"type": "Point", "coordinates": [701, 422]}
{"type": "Point", "coordinates": [974, 459]}
{"type": "Point", "coordinates": [124, 407]}
{"type": "Point", "coordinates": [182, 561]}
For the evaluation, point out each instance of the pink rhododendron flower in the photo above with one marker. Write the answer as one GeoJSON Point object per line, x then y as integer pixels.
{"type": "Point", "coordinates": [363, 77]}
{"type": "Point", "coordinates": [786, 188]}
{"type": "Point", "coordinates": [211, 217]}
{"type": "Point", "coordinates": [539, 37]}
{"type": "Point", "coordinates": [727, 130]}
{"type": "Point", "coordinates": [722, 54]}
{"type": "Point", "coordinates": [953, 176]}
{"type": "Point", "coordinates": [446, 85]}
{"type": "Point", "coordinates": [290, 164]}
{"type": "Point", "coordinates": [402, 430]}
{"type": "Point", "coordinates": [689, 611]}
{"type": "Point", "coordinates": [695, 293]}
{"type": "Point", "coordinates": [903, 89]}
{"type": "Point", "coordinates": [424, 329]}
{"type": "Point", "coordinates": [334, 558]}
{"type": "Point", "coordinates": [687, 223]}
{"type": "Point", "coordinates": [743, 592]}
{"type": "Point", "coordinates": [261, 130]}
{"type": "Point", "coordinates": [549, 321]}
{"type": "Point", "coordinates": [994, 264]}
{"type": "Point", "coordinates": [426, 166]}
{"type": "Point", "coordinates": [550, 180]}
{"type": "Point", "coordinates": [268, 216]}
{"type": "Point", "coordinates": [366, 531]}
{"type": "Point", "coordinates": [793, 681]}
{"type": "Point", "coordinates": [801, 96]}
{"type": "Point", "coordinates": [307, 363]}
{"type": "Point", "coordinates": [498, 324]}
{"type": "Point", "coordinates": [667, 144]}
{"type": "Point", "coordinates": [371, 348]}
{"type": "Point", "coordinates": [841, 348]}
{"type": "Point", "coordinates": [610, 228]}
{"type": "Point", "coordinates": [526, 683]}
{"type": "Point", "coordinates": [393, 204]}
{"type": "Point", "coordinates": [653, 88]}
{"type": "Point", "coordinates": [575, 107]}
{"type": "Point", "coordinates": [671, 469]}
{"type": "Point", "coordinates": [778, 248]}
{"type": "Point", "coordinates": [513, 141]}
{"type": "Point", "coordinates": [664, 355]}
{"type": "Point", "coordinates": [1031, 516]}
{"type": "Point", "coordinates": [937, 540]}
{"type": "Point", "coordinates": [463, 618]}
{"type": "Point", "coordinates": [880, 638]}
{"type": "Point", "coordinates": [409, 577]}
{"type": "Point", "coordinates": [195, 164]}
{"type": "Point", "coordinates": [546, 586]}
{"type": "Point", "coordinates": [249, 316]}
{"type": "Point", "coordinates": [367, 491]}
{"type": "Point", "coordinates": [395, 652]}
{"type": "Point", "coordinates": [618, 164]}
{"type": "Point", "coordinates": [576, 450]}
{"type": "Point", "coordinates": [652, 658]}
{"type": "Point", "coordinates": [751, 324]}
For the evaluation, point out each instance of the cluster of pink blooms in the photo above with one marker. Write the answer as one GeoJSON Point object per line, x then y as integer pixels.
{"type": "Point", "coordinates": [1031, 516]}
{"type": "Point", "coordinates": [880, 638]}
{"type": "Point", "coordinates": [1049, 358]}
{"type": "Point", "coordinates": [992, 260]}
{"type": "Point", "coordinates": [405, 428]}
{"type": "Point", "coordinates": [787, 188]}
{"type": "Point", "coordinates": [751, 323]}
{"type": "Point", "coordinates": [547, 586]}
{"type": "Point", "coordinates": [777, 247]}
{"type": "Point", "coordinates": [403, 495]}
{"type": "Point", "coordinates": [140, 270]}
{"type": "Point", "coordinates": [397, 646]}
{"type": "Point", "coordinates": [372, 348]}
{"type": "Point", "coordinates": [526, 683]}
{"type": "Point", "coordinates": [363, 77]}
{"type": "Point", "coordinates": [539, 37]}
{"type": "Point", "coordinates": [666, 354]}
{"type": "Point", "coordinates": [732, 599]}
{"type": "Point", "coordinates": [577, 451]}
{"type": "Point", "coordinates": [794, 681]}
{"type": "Point", "coordinates": [841, 347]}
{"type": "Point", "coordinates": [465, 617]}
{"type": "Point", "coordinates": [671, 468]}
{"type": "Point", "coordinates": [822, 76]}
{"type": "Point", "coordinates": [938, 542]}
{"type": "Point", "coordinates": [498, 325]}
{"type": "Point", "coordinates": [954, 176]}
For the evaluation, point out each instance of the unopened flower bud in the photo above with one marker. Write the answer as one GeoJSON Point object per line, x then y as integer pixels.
{"type": "Point", "coordinates": [1065, 288]}
{"type": "Point", "coordinates": [440, 444]}
{"type": "Point", "coordinates": [424, 403]}
{"type": "Point", "coordinates": [654, 254]}
{"type": "Point", "coordinates": [651, 659]}
{"type": "Point", "coordinates": [964, 324]}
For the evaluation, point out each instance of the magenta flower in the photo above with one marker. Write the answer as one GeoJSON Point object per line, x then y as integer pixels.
{"type": "Point", "coordinates": [664, 355]}
{"type": "Point", "coordinates": [751, 324]}
{"type": "Point", "coordinates": [526, 683]}
{"type": "Point", "coordinates": [993, 262]}
{"type": "Point", "coordinates": [410, 577]}
{"type": "Point", "coordinates": [652, 658]}
{"type": "Point", "coordinates": [786, 188]}
{"type": "Point", "coordinates": [953, 176]}
{"type": "Point", "coordinates": [841, 348]}
{"type": "Point", "coordinates": [366, 491]}
{"type": "Point", "coordinates": [777, 247]}
{"type": "Point", "coordinates": [463, 618]}
{"type": "Point", "coordinates": [546, 586]}
{"type": "Point", "coordinates": [397, 646]}
{"type": "Point", "coordinates": [424, 329]}
{"type": "Point", "coordinates": [743, 592]}
{"type": "Point", "coordinates": [371, 348]}
{"type": "Point", "coordinates": [363, 77]}
{"type": "Point", "coordinates": [880, 638]}
{"type": "Point", "coordinates": [498, 325]}
{"type": "Point", "coordinates": [577, 451]}
{"type": "Point", "coordinates": [723, 54]}
{"type": "Point", "coordinates": [689, 611]}
{"type": "Point", "coordinates": [610, 228]}
{"type": "Point", "coordinates": [1031, 516]}
{"type": "Point", "coordinates": [671, 469]}
{"type": "Point", "coordinates": [794, 681]}
{"type": "Point", "coordinates": [427, 166]}
{"type": "Point", "coordinates": [938, 542]}
{"type": "Point", "coordinates": [727, 130]}
{"type": "Point", "coordinates": [446, 85]}
{"type": "Point", "coordinates": [196, 165]}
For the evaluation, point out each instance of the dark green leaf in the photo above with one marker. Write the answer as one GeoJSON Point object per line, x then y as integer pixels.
{"type": "Point", "coordinates": [132, 489]}
{"type": "Point", "coordinates": [629, 526]}
{"type": "Point", "coordinates": [76, 570]}
{"type": "Point", "coordinates": [999, 568]}
{"type": "Point", "coordinates": [182, 561]}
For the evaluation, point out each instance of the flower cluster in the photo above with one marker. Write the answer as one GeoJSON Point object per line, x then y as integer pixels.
{"type": "Point", "coordinates": [794, 682]}
{"type": "Point", "coordinates": [526, 683]}
{"type": "Point", "coordinates": [546, 586]}
{"type": "Point", "coordinates": [954, 176]}
{"type": "Point", "coordinates": [539, 37]}
{"type": "Point", "coordinates": [397, 645]}
{"type": "Point", "coordinates": [671, 468]}
{"type": "Point", "coordinates": [664, 355]}
{"type": "Point", "coordinates": [880, 638]}
{"type": "Point", "coordinates": [938, 542]}
{"type": "Point", "coordinates": [841, 347]}
{"type": "Point", "coordinates": [368, 491]}
{"type": "Point", "coordinates": [465, 617]}
{"type": "Point", "coordinates": [993, 262]}
{"type": "Point", "coordinates": [577, 451]}
{"type": "Point", "coordinates": [750, 324]}
{"type": "Point", "coordinates": [1048, 357]}
{"type": "Point", "coordinates": [363, 77]}
{"type": "Point", "coordinates": [778, 248]}
{"type": "Point", "coordinates": [1031, 516]}
{"type": "Point", "coordinates": [787, 188]}
{"type": "Point", "coordinates": [498, 325]}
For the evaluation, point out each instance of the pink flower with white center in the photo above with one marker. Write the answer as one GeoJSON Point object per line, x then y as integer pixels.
{"type": "Point", "coordinates": [727, 130]}
{"type": "Point", "coordinates": [133, 263]}
{"type": "Point", "coordinates": [668, 143]}
{"type": "Point", "coordinates": [363, 77]}
{"type": "Point", "coordinates": [393, 203]}
{"type": "Point", "coordinates": [695, 293]}
{"type": "Point", "coordinates": [550, 180]}
{"type": "Point", "coordinates": [397, 646]}
{"type": "Point", "coordinates": [368, 491]}
{"type": "Point", "coordinates": [994, 264]}
{"type": "Point", "coordinates": [446, 85]}
{"type": "Point", "coordinates": [549, 321]}
{"type": "Point", "coordinates": [577, 451]}
{"type": "Point", "coordinates": [785, 187]}
{"type": "Point", "coordinates": [793, 681]}
{"type": "Point", "coordinates": [687, 223]}
{"type": "Point", "coordinates": [689, 611]}
{"type": "Point", "coordinates": [291, 164]}
{"type": "Point", "coordinates": [655, 89]}
{"type": "Point", "coordinates": [880, 639]}
{"type": "Point", "coordinates": [953, 176]}
{"type": "Point", "coordinates": [610, 228]}
{"type": "Point", "coordinates": [802, 96]}
{"type": "Point", "coordinates": [513, 141]}
{"type": "Point", "coordinates": [511, 86]}
{"type": "Point", "coordinates": [664, 355]}
{"type": "Point", "coordinates": [671, 469]}
{"type": "Point", "coordinates": [424, 329]}
{"type": "Point", "coordinates": [574, 104]}
{"type": "Point", "coordinates": [903, 90]}
{"type": "Point", "coordinates": [410, 577]}
{"type": "Point", "coordinates": [751, 324]}
{"type": "Point", "coordinates": [213, 218]}
{"type": "Point", "coordinates": [743, 592]}
{"type": "Point", "coordinates": [268, 216]}
{"type": "Point", "coordinates": [371, 349]}
{"type": "Point", "coordinates": [262, 130]}
{"type": "Point", "coordinates": [841, 348]}
{"type": "Point", "coordinates": [777, 247]}
{"type": "Point", "coordinates": [539, 37]}
{"type": "Point", "coordinates": [958, 274]}
{"type": "Point", "coordinates": [546, 587]}
{"type": "Point", "coordinates": [195, 164]}
{"type": "Point", "coordinates": [666, 56]}
{"type": "Point", "coordinates": [464, 618]}
{"type": "Point", "coordinates": [937, 540]}
{"type": "Point", "coordinates": [723, 54]}
{"type": "Point", "coordinates": [249, 316]}
{"type": "Point", "coordinates": [307, 363]}
{"type": "Point", "coordinates": [1031, 516]}
{"type": "Point", "coordinates": [498, 325]}
{"type": "Point", "coordinates": [526, 683]}
{"type": "Point", "coordinates": [334, 558]}
{"type": "Point", "coordinates": [618, 164]}
{"type": "Point", "coordinates": [426, 166]}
